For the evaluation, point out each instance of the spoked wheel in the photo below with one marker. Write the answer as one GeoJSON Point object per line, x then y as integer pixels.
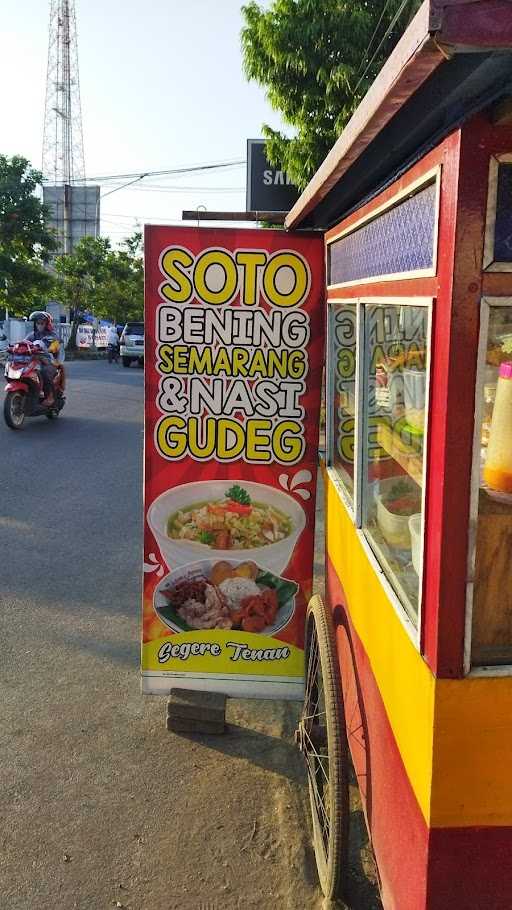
{"type": "Point", "coordinates": [14, 410]}
{"type": "Point", "coordinates": [322, 740]}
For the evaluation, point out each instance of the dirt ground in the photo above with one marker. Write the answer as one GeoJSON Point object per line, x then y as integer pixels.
{"type": "Point", "coordinates": [251, 846]}
{"type": "Point", "coordinates": [100, 806]}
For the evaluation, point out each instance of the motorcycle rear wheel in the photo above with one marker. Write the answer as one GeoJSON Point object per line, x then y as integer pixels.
{"type": "Point", "coordinates": [14, 410]}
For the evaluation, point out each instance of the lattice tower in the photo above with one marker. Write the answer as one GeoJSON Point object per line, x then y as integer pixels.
{"type": "Point", "coordinates": [63, 143]}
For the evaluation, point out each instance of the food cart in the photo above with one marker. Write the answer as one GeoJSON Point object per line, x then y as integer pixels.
{"type": "Point", "coordinates": [409, 662]}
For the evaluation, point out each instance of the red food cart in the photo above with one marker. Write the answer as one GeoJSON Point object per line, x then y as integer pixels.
{"type": "Point", "coordinates": [409, 662]}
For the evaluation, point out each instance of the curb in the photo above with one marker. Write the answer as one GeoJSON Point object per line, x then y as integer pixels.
{"type": "Point", "coordinates": [83, 355]}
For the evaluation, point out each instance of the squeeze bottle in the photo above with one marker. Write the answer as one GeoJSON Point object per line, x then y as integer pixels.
{"type": "Point", "coordinates": [498, 465]}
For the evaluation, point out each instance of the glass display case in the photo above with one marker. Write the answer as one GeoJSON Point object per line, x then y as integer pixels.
{"type": "Point", "coordinates": [395, 387]}
{"type": "Point", "coordinates": [377, 413]}
{"type": "Point", "coordinates": [491, 557]}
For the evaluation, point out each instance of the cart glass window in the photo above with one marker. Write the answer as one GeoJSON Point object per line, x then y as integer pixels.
{"type": "Point", "coordinates": [492, 592]}
{"type": "Point", "coordinates": [395, 391]}
{"type": "Point", "coordinates": [342, 399]}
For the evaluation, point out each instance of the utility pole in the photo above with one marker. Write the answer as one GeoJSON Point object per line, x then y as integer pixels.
{"type": "Point", "coordinates": [63, 144]}
{"type": "Point", "coordinates": [74, 205]}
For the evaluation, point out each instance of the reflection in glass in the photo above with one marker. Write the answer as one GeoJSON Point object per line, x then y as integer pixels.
{"type": "Point", "coordinates": [492, 589]}
{"type": "Point", "coordinates": [395, 391]}
{"type": "Point", "coordinates": [343, 401]}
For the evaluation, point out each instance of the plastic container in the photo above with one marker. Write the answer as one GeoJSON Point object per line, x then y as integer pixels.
{"type": "Point", "coordinates": [394, 528]}
{"type": "Point", "coordinates": [415, 532]}
{"type": "Point", "coordinates": [414, 396]}
{"type": "Point", "coordinates": [490, 381]}
{"type": "Point", "coordinates": [396, 395]}
{"type": "Point", "coordinates": [498, 466]}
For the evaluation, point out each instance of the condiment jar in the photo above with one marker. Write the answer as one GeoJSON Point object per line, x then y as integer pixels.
{"type": "Point", "coordinates": [498, 465]}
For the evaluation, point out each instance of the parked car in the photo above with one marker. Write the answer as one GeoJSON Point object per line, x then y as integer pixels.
{"type": "Point", "coordinates": [132, 343]}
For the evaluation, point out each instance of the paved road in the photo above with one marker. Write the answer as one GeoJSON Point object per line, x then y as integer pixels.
{"type": "Point", "coordinates": [99, 805]}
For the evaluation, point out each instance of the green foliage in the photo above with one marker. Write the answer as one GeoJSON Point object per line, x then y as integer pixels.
{"type": "Point", "coordinates": [238, 494]}
{"type": "Point", "coordinates": [121, 294]}
{"type": "Point", "coordinates": [108, 283]}
{"type": "Point", "coordinates": [26, 243]}
{"type": "Point", "coordinates": [316, 61]}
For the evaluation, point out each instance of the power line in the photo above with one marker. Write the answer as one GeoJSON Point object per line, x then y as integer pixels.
{"type": "Point", "coordinates": [190, 189]}
{"type": "Point", "coordinates": [367, 51]}
{"type": "Point", "coordinates": [180, 170]}
{"type": "Point", "coordinates": [118, 227]}
{"type": "Point", "coordinates": [135, 218]}
{"type": "Point", "coordinates": [108, 215]}
{"type": "Point", "coordinates": [386, 35]}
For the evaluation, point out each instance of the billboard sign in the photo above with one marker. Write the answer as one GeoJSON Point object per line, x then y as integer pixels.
{"type": "Point", "coordinates": [268, 189]}
{"type": "Point", "coordinates": [233, 359]}
{"type": "Point", "coordinates": [74, 213]}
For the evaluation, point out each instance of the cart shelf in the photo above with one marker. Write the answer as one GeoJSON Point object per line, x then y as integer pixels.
{"type": "Point", "coordinates": [492, 604]}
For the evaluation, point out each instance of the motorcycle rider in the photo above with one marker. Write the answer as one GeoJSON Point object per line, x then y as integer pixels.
{"type": "Point", "coordinates": [45, 337]}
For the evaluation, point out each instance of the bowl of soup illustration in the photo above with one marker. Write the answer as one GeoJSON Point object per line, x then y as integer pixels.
{"type": "Point", "coordinates": [226, 519]}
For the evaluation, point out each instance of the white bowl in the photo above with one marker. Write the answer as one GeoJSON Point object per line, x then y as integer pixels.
{"type": "Point", "coordinates": [394, 528]}
{"type": "Point", "coordinates": [275, 556]}
{"type": "Point", "coordinates": [415, 532]}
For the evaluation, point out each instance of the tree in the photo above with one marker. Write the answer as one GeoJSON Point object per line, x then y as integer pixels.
{"type": "Point", "coordinates": [121, 293]}
{"type": "Point", "coordinates": [316, 62]}
{"type": "Point", "coordinates": [78, 276]}
{"type": "Point", "coordinates": [26, 243]}
{"type": "Point", "coordinates": [108, 283]}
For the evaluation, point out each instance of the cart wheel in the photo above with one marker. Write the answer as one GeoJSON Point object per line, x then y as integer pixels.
{"type": "Point", "coordinates": [322, 740]}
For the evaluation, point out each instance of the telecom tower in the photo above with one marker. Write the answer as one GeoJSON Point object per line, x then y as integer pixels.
{"type": "Point", "coordinates": [73, 204]}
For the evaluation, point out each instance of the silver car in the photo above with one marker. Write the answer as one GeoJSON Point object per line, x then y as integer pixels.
{"type": "Point", "coordinates": [132, 343]}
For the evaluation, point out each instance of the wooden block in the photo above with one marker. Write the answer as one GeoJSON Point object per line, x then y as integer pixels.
{"type": "Point", "coordinates": [191, 725]}
{"type": "Point", "coordinates": [205, 709]}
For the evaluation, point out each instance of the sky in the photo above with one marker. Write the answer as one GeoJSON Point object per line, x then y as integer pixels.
{"type": "Point", "coordinates": [162, 87]}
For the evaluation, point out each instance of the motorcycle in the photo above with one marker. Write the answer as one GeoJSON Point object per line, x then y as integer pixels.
{"type": "Point", "coordinates": [113, 353]}
{"type": "Point", "coordinates": [24, 389]}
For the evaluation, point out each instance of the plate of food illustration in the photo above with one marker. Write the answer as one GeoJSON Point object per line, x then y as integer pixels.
{"type": "Point", "coordinates": [225, 594]}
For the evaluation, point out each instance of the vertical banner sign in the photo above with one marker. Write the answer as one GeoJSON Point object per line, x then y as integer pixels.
{"type": "Point", "coordinates": [234, 356]}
